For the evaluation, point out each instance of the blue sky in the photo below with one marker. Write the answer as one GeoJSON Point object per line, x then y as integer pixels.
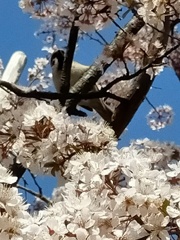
{"type": "Point", "coordinates": [17, 33]}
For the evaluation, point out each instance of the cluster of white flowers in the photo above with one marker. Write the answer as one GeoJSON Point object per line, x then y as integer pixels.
{"type": "Point", "coordinates": [96, 13]}
{"type": "Point", "coordinates": [13, 211]}
{"type": "Point", "coordinates": [111, 194]}
{"type": "Point", "coordinates": [160, 117]}
{"type": "Point", "coordinates": [129, 193]}
{"type": "Point", "coordinates": [38, 8]}
{"type": "Point", "coordinates": [44, 136]}
{"type": "Point", "coordinates": [26, 5]}
{"type": "Point", "coordinates": [154, 12]}
{"type": "Point", "coordinates": [37, 73]}
{"type": "Point", "coordinates": [91, 14]}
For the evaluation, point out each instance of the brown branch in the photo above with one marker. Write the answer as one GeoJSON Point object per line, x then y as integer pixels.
{"type": "Point", "coordinates": [66, 71]}
{"type": "Point", "coordinates": [126, 109]}
{"type": "Point", "coordinates": [28, 93]}
{"type": "Point", "coordinates": [141, 85]}
{"type": "Point", "coordinates": [116, 48]}
{"type": "Point", "coordinates": [84, 85]}
{"type": "Point", "coordinates": [102, 38]}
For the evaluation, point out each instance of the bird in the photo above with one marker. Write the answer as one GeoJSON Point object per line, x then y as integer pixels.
{"type": "Point", "coordinates": [77, 70]}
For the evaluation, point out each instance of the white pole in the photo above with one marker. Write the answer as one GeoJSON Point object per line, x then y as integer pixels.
{"type": "Point", "coordinates": [13, 70]}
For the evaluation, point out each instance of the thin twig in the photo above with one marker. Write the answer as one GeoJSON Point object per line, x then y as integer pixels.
{"type": "Point", "coordinates": [35, 194]}
{"type": "Point", "coordinates": [160, 31]}
{"type": "Point", "coordinates": [25, 184]}
{"type": "Point", "coordinates": [94, 39]}
{"type": "Point", "coordinates": [115, 23]}
{"type": "Point", "coordinates": [36, 183]}
{"type": "Point", "coordinates": [141, 70]}
{"type": "Point", "coordinates": [151, 105]}
{"type": "Point", "coordinates": [104, 40]}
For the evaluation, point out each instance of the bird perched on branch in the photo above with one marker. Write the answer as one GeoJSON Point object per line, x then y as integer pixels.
{"type": "Point", "coordinates": [77, 70]}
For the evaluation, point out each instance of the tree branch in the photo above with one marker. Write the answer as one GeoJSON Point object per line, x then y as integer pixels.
{"type": "Point", "coordinates": [126, 109]}
{"type": "Point", "coordinates": [66, 71]}
{"type": "Point", "coordinates": [141, 85]}
{"type": "Point", "coordinates": [28, 93]}
{"type": "Point", "coordinates": [84, 85]}
{"type": "Point", "coordinates": [116, 48]}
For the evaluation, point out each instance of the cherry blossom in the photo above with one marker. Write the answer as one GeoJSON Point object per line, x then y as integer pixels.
{"type": "Point", "coordinates": [107, 191]}
{"type": "Point", "coordinates": [159, 117]}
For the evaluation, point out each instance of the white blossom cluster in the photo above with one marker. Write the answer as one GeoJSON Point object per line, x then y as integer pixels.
{"type": "Point", "coordinates": [89, 15]}
{"type": "Point", "coordinates": [95, 14]}
{"type": "Point", "coordinates": [111, 194]}
{"type": "Point", "coordinates": [41, 136]}
{"type": "Point", "coordinates": [58, 16]}
{"type": "Point", "coordinates": [160, 117]}
{"type": "Point", "coordinates": [154, 12]}
{"type": "Point", "coordinates": [129, 193]}
{"type": "Point", "coordinates": [38, 73]}
{"type": "Point", "coordinates": [38, 8]}
{"type": "Point", "coordinates": [14, 215]}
